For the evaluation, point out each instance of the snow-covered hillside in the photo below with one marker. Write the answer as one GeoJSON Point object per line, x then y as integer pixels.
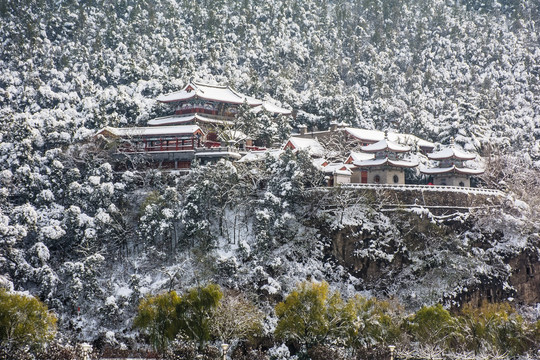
{"type": "Point", "coordinates": [91, 242]}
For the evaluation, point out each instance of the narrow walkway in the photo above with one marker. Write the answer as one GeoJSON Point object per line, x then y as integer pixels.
{"type": "Point", "coordinates": [435, 188]}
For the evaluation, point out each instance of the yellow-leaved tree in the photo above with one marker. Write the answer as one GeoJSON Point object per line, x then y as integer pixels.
{"type": "Point", "coordinates": [372, 323]}
{"type": "Point", "coordinates": [24, 321]}
{"type": "Point", "coordinates": [494, 327]}
{"type": "Point", "coordinates": [194, 313]}
{"type": "Point", "coordinates": [157, 316]}
{"type": "Point", "coordinates": [166, 316]}
{"type": "Point", "coordinates": [311, 315]}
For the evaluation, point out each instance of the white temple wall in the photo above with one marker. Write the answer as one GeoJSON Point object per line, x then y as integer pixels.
{"type": "Point", "coordinates": [452, 180]}
{"type": "Point", "coordinates": [356, 177]}
{"type": "Point", "coordinates": [386, 176]}
{"type": "Point", "coordinates": [341, 179]}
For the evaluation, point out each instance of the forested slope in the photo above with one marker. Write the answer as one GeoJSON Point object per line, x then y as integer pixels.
{"type": "Point", "coordinates": [78, 235]}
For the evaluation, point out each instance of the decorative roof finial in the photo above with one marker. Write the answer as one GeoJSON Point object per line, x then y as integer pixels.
{"type": "Point", "coordinates": [386, 134]}
{"type": "Point", "coordinates": [451, 141]}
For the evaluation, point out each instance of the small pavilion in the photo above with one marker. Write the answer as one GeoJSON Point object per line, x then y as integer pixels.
{"type": "Point", "coordinates": [451, 170]}
{"type": "Point", "coordinates": [388, 166]}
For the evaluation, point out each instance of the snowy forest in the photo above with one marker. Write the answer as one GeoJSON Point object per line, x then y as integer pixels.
{"type": "Point", "coordinates": [240, 253]}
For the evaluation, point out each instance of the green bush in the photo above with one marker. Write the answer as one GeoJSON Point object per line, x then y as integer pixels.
{"type": "Point", "coordinates": [494, 327]}
{"type": "Point", "coordinates": [157, 316]}
{"type": "Point", "coordinates": [432, 325]}
{"type": "Point", "coordinates": [24, 321]}
{"type": "Point", "coordinates": [311, 315]}
{"type": "Point", "coordinates": [166, 316]}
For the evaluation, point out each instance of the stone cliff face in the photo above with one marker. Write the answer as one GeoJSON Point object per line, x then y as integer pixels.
{"type": "Point", "coordinates": [526, 277]}
{"type": "Point", "coordinates": [467, 257]}
{"type": "Point", "coordinates": [523, 285]}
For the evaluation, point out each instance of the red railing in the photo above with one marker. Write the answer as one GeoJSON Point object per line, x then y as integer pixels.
{"type": "Point", "coordinates": [255, 148]}
{"type": "Point", "coordinates": [162, 147]}
{"type": "Point", "coordinates": [211, 144]}
{"type": "Point", "coordinates": [178, 144]}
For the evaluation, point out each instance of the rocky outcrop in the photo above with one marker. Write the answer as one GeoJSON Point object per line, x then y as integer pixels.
{"type": "Point", "coordinates": [464, 258]}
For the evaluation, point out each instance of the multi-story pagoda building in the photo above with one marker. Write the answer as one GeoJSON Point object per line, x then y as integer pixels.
{"type": "Point", "coordinates": [451, 170]}
{"type": "Point", "coordinates": [387, 167]}
{"type": "Point", "coordinates": [212, 107]}
{"type": "Point", "coordinates": [201, 127]}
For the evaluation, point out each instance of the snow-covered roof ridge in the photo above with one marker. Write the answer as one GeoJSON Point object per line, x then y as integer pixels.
{"type": "Point", "coordinates": [312, 146]}
{"type": "Point", "coordinates": [182, 119]}
{"type": "Point", "coordinates": [209, 92]}
{"type": "Point", "coordinates": [338, 168]}
{"type": "Point", "coordinates": [451, 169]}
{"type": "Point", "coordinates": [260, 155]}
{"type": "Point", "coordinates": [385, 162]}
{"type": "Point", "coordinates": [150, 131]}
{"type": "Point", "coordinates": [359, 156]}
{"type": "Point", "coordinates": [451, 152]}
{"type": "Point", "coordinates": [377, 135]}
{"type": "Point", "coordinates": [385, 145]}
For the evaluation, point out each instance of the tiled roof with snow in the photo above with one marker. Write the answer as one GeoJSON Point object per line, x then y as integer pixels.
{"type": "Point", "coordinates": [150, 131]}
{"type": "Point", "coordinates": [376, 135]}
{"type": "Point", "coordinates": [175, 119]}
{"type": "Point", "coordinates": [385, 162]}
{"type": "Point", "coordinates": [385, 145]}
{"type": "Point", "coordinates": [359, 156]}
{"type": "Point", "coordinates": [451, 169]}
{"type": "Point", "coordinates": [209, 92]}
{"type": "Point", "coordinates": [451, 153]}
{"type": "Point", "coordinates": [312, 146]}
{"type": "Point", "coordinates": [343, 172]}
{"type": "Point", "coordinates": [319, 163]}
{"type": "Point", "coordinates": [334, 168]}
{"type": "Point", "coordinates": [216, 154]}
{"type": "Point", "coordinates": [260, 155]}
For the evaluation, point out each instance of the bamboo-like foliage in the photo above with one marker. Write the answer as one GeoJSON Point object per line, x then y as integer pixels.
{"type": "Point", "coordinates": [156, 315]}
{"type": "Point", "coordinates": [313, 315]}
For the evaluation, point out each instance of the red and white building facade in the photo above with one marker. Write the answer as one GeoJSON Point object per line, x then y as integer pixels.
{"type": "Point", "coordinates": [387, 166]}
{"type": "Point", "coordinates": [200, 127]}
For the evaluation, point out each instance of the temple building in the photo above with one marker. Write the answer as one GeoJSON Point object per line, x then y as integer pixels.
{"type": "Point", "coordinates": [339, 133]}
{"type": "Point", "coordinates": [337, 173]}
{"type": "Point", "coordinates": [201, 127]}
{"type": "Point", "coordinates": [165, 147]}
{"type": "Point", "coordinates": [451, 170]}
{"type": "Point", "coordinates": [311, 146]}
{"type": "Point", "coordinates": [387, 167]}
{"type": "Point", "coordinates": [358, 175]}
{"type": "Point", "coordinates": [212, 107]}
